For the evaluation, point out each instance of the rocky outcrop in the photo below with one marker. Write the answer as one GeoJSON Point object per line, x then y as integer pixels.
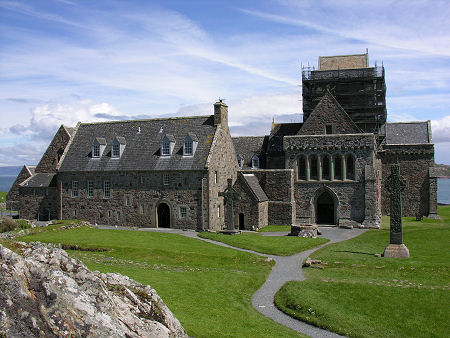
{"type": "Point", "coordinates": [46, 293]}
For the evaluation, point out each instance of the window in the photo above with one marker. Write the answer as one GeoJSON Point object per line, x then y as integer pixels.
{"type": "Point", "coordinates": [90, 189]}
{"type": "Point", "coordinates": [166, 148]}
{"type": "Point", "coordinates": [46, 191]}
{"type": "Point", "coordinates": [166, 179]}
{"type": "Point", "coordinates": [313, 167]}
{"type": "Point", "coordinates": [338, 167]}
{"type": "Point", "coordinates": [142, 179]}
{"type": "Point", "coordinates": [187, 151]}
{"type": "Point", "coordinates": [96, 150]}
{"type": "Point", "coordinates": [350, 164]}
{"type": "Point", "coordinates": [74, 188]}
{"type": "Point", "coordinates": [127, 200]}
{"type": "Point", "coordinates": [183, 212]}
{"type": "Point", "coordinates": [118, 215]}
{"type": "Point", "coordinates": [75, 213]}
{"type": "Point", "coordinates": [106, 189]}
{"type": "Point", "coordinates": [239, 160]}
{"type": "Point", "coordinates": [328, 129]}
{"type": "Point", "coordinates": [325, 167]}
{"type": "Point", "coordinates": [255, 162]}
{"type": "Point", "coordinates": [302, 168]}
{"type": "Point", "coordinates": [218, 212]}
{"type": "Point", "coordinates": [141, 209]}
{"type": "Point", "coordinates": [116, 150]}
{"type": "Point", "coordinates": [215, 177]}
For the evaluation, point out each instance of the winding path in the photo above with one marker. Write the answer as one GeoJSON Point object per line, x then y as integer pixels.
{"type": "Point", "coordinates": [287, 268]}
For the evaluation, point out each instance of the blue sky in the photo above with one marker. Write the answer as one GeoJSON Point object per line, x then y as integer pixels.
{"type": "Point", "coordinates": [64, 61]}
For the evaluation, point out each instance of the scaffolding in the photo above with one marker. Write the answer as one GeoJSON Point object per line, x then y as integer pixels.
{"type": "Point", "coordinates": [361, 92]}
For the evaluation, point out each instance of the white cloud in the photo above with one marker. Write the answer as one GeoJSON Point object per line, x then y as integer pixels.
{"type": "Point", "coordinates": [46, 118]}
{"type": "Point", "coordinates": [441, 129]}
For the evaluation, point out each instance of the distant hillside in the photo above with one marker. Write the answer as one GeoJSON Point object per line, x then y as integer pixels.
{"type": "Point", "coordinates": [443, 170]}
{"type": "Point", "coordinates": [10, 171]}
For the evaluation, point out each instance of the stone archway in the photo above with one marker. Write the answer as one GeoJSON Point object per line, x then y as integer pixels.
{"type": "Point", "coordinates": [163, 215]}
{"type": "Point", "coordinates": [325, 207]}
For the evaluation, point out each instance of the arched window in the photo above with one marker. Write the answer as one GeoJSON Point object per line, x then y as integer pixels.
{"type": "Point", "coordinates": [350, 164]}
{"type": "Point", "coordinates": [314, 175]}
{"type": "Point", "coordinates": [338, 167]}
{"type": "Point", "coordinates": [302, 167]}
{"type": "Point", "coordinates": [255, 162]}
{"type": "Point", "coordinates": [326, 167]}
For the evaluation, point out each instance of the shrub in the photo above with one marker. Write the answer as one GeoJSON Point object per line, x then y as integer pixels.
{"type": "Point", "coordinates": [7, 224]}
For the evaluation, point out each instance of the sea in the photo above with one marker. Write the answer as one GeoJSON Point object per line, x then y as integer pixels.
{"type": "Point", "coordinates": [443, 187]}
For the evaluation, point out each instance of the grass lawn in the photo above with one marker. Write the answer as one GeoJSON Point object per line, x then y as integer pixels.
{"type": "Point", "coordinates": [273, 245]}
{"type": "Point", "coordinates": [209, 288]}
{"type": "Point", "coordinates": [3, 196]}
{"type": "Point", "coordinates": [275, 228]}
{"type": "Point", "coordinates": [360, 295]}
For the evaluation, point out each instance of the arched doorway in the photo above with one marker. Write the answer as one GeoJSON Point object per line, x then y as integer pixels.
{"type": "Point", "coordinates": [325, 209]}
{"type": "Point", "coordinates": [163, 216]}
{"type": "Point", "coordinates": [241, 221]}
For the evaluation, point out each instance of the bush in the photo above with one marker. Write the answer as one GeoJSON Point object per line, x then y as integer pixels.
{"type": "Point", "coordinates": [7, 224]}
{"type": "Point", "coordinates": [22, 224]}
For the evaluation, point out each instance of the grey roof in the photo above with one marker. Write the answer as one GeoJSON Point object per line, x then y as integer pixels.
{"type": "Point", "coordinates": [247, 146]}
{"type": "Point", "coordinates": [143, 147]}
{"type": "Point", "coordinates": [38, 180]}
{"type": "Point", "coordinates": [170, 137]}
{"type": "Point", "coordinates": [121, 140]}
{"type": "Point", "coordinates": [407, 133]}
{"type": "Point", "coordinates": [31, 168]}
{"type": "Point", "coordinates": [279, 130]}
{"type": "Point", "coordinates": [254, 186]}
{"type": "Point", "coordinates": [101, 140]}
{"type": "Point", "coordinates": [193, 137]}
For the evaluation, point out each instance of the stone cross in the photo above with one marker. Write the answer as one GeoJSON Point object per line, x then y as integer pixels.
{"type": "Point", "coordinates": [230, 195]}
{"type": "Point", "coordinates": [395, 185]}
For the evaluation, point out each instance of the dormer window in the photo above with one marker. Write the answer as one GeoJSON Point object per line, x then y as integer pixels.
{"type": "Point", "coordinates": [167, 145]}
{"type": "Point", "coordinates": [190, 144]}
{"type": "Point", "coordinates": [98, 146]}
{"type": "Point", "coordinates": [118, 146]}
{"type": "Point", "coordinates": [255, 162]}
{"type": "Point", "coordinates": [239, 160]}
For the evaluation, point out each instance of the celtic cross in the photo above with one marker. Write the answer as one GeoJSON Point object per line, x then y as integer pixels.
{"type": "Point", "coordinates": [395, 185]}
{"type": "Point", "coordinates": [230, 195]}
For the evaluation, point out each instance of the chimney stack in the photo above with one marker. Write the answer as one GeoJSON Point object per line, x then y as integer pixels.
{"type": "Point", "coordinates": [220, 113]}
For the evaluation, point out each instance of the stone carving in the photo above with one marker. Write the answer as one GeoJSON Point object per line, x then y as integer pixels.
{"type": "Point", "coordinates": [230, 195]}
{"type": "Point", "coordinates": [396, 184]}
{"type": "Point", "coordinates": [46, 293]}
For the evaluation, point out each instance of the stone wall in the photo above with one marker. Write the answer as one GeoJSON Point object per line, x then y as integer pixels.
{"type": "Point", "coordinates": [255, 212]}
{"type": "Point", "coordinates": [415, 161]}
{"type": "Point", "coordinates": [38, 203]}
{"type": "Point", "coordinates": [279, 188]}
{"type": "Point", "coordinates": [13, 196]}
{"type": "Point", "coordinates": [135, 197]}
{"type": "Point", "coordinates": [54, 152]}
{"type": "Point", "coordinates": [222, 165]}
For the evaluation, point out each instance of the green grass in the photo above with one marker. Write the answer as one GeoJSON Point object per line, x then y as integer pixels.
{"type": "Point", "coordinates": [209, 288]}
{"type": "Point", "coordinates": [3, 196]}
{"type": "Point", "coordinates": [273, 245]}
{"type": "Point", "coordinates": [275, 228]}
{"type": "Point", "coordinates": [360, 295]}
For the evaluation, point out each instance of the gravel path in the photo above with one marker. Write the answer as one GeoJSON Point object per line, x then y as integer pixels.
{"type": "Point", "coordinates": [287, 268]}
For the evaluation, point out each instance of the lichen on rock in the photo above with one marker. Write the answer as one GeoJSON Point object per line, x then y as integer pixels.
{"type": "Point", "coordinates": [45, 292]}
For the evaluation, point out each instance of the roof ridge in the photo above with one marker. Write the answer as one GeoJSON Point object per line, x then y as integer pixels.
{"type": "Point", "coordinates": [148, 120]}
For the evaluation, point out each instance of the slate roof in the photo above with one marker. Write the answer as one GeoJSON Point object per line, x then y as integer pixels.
{"type": "Point", "coordinates": [247, 146]}
{"type": "Point", "coordinates": [254, 186]}
{"type": "Point", "coordinates": [407, 133]}
{"type": "Point", "coordinates": [279, 130]}
{"type": "Point", "coordinates": [38, 180]}
{"type": "Point", "coordinates": [143, 145]}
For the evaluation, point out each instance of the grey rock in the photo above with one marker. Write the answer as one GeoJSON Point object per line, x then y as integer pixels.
{"type": "Point", "coordinates": [44, 292]}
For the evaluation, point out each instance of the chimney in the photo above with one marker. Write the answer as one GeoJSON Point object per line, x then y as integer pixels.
{"type": "Point", "coordinates": [220, 113]}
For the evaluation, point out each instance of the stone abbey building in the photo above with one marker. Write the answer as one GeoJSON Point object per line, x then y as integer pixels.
{"type": "Point", "coordinates": [330, 169]}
